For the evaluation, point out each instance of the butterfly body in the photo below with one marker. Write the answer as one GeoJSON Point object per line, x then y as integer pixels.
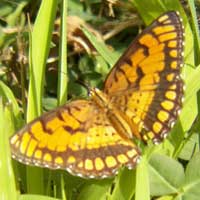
{"type": "Point", "coordinates": [141, 99]}
{"type": "Point", "coordinates": [115, 115]}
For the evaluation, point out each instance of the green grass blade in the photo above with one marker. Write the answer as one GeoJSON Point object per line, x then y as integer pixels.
{"type": "Point", "coordinates": [142, 181]}
{"type": "Point", "coordinates": [102, 49]}
{"type": "Point", "coordinates": [35, 197]}
{"type": "Point", "coordinates": [124, 185]}
{"type": "Point", "coordinates": [7, 180]}
{"type": "Point", "coordinates": [7, 95]}
{"type": "Point", "coordinates": [195, 28]}
{"type": "Point", "coordinates": [62, 71]}
{"type": "Point", "coordinates": [40, 45]}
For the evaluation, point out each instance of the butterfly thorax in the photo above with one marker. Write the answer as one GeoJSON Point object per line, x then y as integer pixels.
{"type": "Point", "coordinates": [123, 125]}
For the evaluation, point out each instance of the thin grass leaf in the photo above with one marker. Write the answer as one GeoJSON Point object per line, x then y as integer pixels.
{"type": "Point", "coordinates": [63, 191]}
{"type": "Point", "coordinates": [142, 190]}
{"type": "Point", "coordinates": [40, 45]}
{"type": "Point", "coordinates": [102, 49]}
{"type": "Point", "coordinates": [7, 181]}
{"type": "Point", "coordinates": [62, 69]}
{"type": "Point", "coordinates": [7, 96]}
{"type": "Point", "coordinates": [124, 185]}
{"type": "Point", "coordinates": [35, 197]}
{"type": "Point", "coordinates": [195, 27]}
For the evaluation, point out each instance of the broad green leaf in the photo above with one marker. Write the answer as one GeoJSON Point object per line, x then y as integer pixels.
{"type": "Point", "coordinates": [190, 147]}
{"type": "Point", "coordinates": [192, 179]}
{"type": "Point", "coordinates": [166, 175]}
{"type": "Point", "coordinates": [95, 189]}
{"type": "Point", "coordinates": [149, 10]}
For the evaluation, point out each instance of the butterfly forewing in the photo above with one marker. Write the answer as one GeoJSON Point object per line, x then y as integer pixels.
{"type": "Point", "coordinates": [146, 83]}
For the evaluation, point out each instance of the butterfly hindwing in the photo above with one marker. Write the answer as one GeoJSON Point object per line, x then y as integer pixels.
{"type": "Point", "coordinates": [76, 137]}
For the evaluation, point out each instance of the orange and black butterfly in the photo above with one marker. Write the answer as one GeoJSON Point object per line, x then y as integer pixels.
{"type": "Point", "coordinates": [141, 99]}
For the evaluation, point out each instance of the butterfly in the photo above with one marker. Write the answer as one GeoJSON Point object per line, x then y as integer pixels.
{"type": "Point", "coordinates": [140, 100]}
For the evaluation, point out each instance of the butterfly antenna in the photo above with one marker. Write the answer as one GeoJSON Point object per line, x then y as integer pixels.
{"type": "Point", "coordinates": [84, 84]}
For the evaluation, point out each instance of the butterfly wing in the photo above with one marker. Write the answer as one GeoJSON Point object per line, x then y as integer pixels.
{"type": "Point", "coordinates": [145, 83]}
{"type": "Point", "coordinates": [76, 137]}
